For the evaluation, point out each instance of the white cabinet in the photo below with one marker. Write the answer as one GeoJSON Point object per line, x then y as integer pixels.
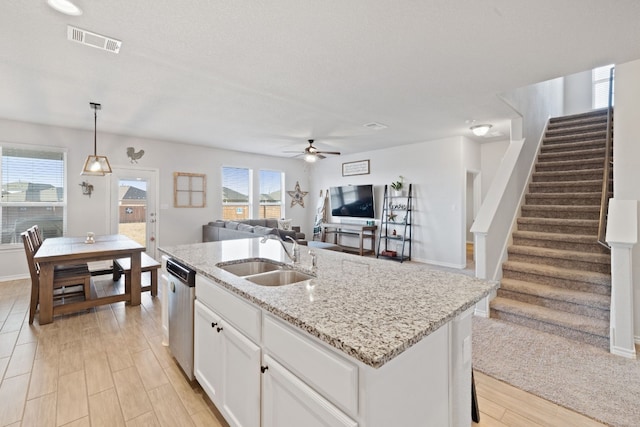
{"type": "Point", "coordinates": [288, 402]}
{"type": "Point", "coordinates": [227, 366]}
{"type": "Point", "coordinates": [207, 352]}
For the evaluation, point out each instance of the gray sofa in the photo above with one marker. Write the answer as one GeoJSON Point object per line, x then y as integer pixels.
{"type": "Point", "coordinates": [242, 229]}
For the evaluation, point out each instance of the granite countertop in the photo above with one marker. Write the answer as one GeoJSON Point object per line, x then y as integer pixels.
{"type": "Point", "coordinates": [368, 308]}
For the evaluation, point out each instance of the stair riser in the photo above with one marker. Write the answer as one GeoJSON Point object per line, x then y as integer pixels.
{"type": "Point", "coordinates": [565, 306]}
{"type": "Point", "coordinates": [564, 229]}
{"type": "Point", "coordinates": [569, 166]}
{"type": "Point", "coordinates": [596, 267]}
{"type": "Point", "coordinates": [595, 340]}
{"type": "Point", "coordinates": [554, 244]}
{"type": "Point", "coordinates": [571, 155]}
{"type": "Point", "coordinates": [557, 122]}
{"type": "Point", "coordinates": [542, 199]}
{"type": "Point", "coordinates": [573, 146]}
{"type": "Point", "coordinates": [576, 128]}
{"type": "Point", "coordinates": [576, 285]}
{"type": "Point", "coordinates": [528, 212]}
{"type": "Point", "coordinates": [583, 175]}
{"type": "Point", "coordinates": [587, 187]}
{"type": "Point", "coordinates": [563, 139]}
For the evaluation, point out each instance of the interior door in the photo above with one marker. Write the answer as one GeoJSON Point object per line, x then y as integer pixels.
{"type": "Point", "coordinates": [134, 205]}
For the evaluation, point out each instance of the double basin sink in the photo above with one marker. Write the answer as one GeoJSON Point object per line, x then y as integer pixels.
{"type": "Point", "coordinates": [265, 272]}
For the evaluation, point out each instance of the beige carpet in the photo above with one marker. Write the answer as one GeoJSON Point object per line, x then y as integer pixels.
{"type": "Point", "coordinates": [584, 378]}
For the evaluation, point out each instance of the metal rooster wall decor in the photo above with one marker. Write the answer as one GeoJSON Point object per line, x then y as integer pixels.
{"type": "Point", "coordinates": [133, 156]}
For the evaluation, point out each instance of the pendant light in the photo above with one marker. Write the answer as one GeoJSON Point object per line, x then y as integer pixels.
{"type": "Point", "coordinates": [96, 165]}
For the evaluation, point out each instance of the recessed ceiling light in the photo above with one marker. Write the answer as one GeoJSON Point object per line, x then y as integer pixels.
{"type": "Point", "coordinates": [65, 6]}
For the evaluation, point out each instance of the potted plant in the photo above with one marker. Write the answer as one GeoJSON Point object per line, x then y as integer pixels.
{"type": "Point", "coordinates": [397, 186]}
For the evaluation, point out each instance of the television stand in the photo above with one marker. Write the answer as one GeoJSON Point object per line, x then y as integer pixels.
{"type": "Point", "coordinates": [360, 231]}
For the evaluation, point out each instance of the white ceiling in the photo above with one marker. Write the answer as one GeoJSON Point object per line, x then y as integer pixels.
{"type": "Point", "coordinates": [264, 77]}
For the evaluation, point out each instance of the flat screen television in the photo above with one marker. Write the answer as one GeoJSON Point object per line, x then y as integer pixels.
{"type": "Point", "coordinates": [352, 201]}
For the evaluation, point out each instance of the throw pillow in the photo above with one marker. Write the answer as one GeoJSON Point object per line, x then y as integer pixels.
{"type": "Point", "coordinates": [284, 224]}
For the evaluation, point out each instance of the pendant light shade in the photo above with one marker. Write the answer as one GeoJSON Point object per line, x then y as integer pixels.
{"type": "Point", "coordinates": [96, 165]}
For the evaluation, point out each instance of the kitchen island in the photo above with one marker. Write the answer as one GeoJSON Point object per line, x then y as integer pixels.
{"type": "Point", "coordinates": [362, 343]}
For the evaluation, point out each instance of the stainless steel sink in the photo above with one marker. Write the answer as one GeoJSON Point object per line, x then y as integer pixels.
{"type": "Point", "coordinates": [279, 278]}
{"type": "Point", "coordinates": [249, 268]}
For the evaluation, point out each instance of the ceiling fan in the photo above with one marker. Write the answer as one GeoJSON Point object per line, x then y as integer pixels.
{"type": "Point", "coordinates": [311, 153]}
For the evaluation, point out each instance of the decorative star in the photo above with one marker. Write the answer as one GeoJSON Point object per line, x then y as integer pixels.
{"type": "Point", "coordinates": [297, 195]}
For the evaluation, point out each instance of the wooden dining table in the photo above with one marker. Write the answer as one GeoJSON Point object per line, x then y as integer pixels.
{"type": "Point", "coordinates": [74, 250]}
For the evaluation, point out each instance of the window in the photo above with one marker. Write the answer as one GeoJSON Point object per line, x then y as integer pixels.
{"type": "Point", "coordinates": [600, 91]}
{"type": "Point", "coordinates": [236, 193]}
{"type": "Point", "coordinates": [33, 191]}
{"type": "Point", "coordinates": [271, 185]}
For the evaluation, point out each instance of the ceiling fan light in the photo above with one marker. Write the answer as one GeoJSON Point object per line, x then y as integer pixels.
{"type": "Point", "coordinates": [65, 6]}
{"type": "Point", "coordinates": [310, 158]}
{"type": "Point", "coordinates": [480, 130]}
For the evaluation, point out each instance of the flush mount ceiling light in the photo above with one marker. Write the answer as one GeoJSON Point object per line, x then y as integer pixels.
{"type": "Point", "coordinates": [96, 165]}
{"type": "Point", "coordinates": [65, 6]}
{"type": "Point", "coordinates": [480, 130]}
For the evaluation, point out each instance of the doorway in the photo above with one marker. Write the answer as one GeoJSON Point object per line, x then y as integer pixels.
{"type": "Point", "coordinates": [472, 206]}
{"type": "Point", "coordinates": [133, 206]}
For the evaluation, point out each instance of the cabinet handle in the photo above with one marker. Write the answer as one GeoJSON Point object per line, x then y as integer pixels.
{"type": "Point", "coordinates": [214, 324]}
{"type": "Point", "coordinates": [263, 368]}
{"type": "Point", "coordinates": [219, 328]}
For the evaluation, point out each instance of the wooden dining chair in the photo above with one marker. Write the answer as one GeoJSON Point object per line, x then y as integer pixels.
{"type": "Point", "coordinates": [67, 281]}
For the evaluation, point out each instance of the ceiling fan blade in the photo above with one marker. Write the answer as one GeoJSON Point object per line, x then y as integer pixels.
{"type": "Point", "coordinates": [328, 152]}
{"type": "Point", "coordinates": [320, 156]}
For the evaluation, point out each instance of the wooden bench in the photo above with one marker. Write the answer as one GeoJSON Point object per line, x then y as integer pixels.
{"type": "Point", "coordinates": [123, 265]}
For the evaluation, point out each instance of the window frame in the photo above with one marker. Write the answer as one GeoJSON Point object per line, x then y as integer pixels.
{"type": "Point", "coordinates": [282, 191]}
{"type": "Point", "coordinates": [250, 191]}
{"type": "Point", "coordinates": [63, 204]}
{"type": "Point", "coordinates": [596, 82]}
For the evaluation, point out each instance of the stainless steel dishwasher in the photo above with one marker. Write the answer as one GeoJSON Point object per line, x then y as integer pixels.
{"type": "Point", "coordinates": [182, 282]}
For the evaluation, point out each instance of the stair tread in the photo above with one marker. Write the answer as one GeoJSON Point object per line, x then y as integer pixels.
{"type": "Point", "coordinates": [593, 171]}
{"type": "Point", "coordinates": [564, 237]}
{"type": "Point", "coordinates": [570, 162]}
{"type": "Point", "coordinates": [561, 254]}
{"type": "Point", "coordinates": [574, 195]}
{"type": "Point", "coordinates": [559, 272]}
{"type": "Point", "coordinates": [569, 320]}
{"type": "Point", "coordinates": [560, 294]}
{"type": "Point", "coordinates": [557, 221]}
{"type": "Point", "coordinates": [570, 153]}
{"type": "Point", "coordinates": [573, 208]}
{"type": "Point", "coordinates": [589, 115]}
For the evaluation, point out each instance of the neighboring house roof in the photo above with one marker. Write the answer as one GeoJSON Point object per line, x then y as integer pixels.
{"type": "Point", "coordinates": [231, 196]}
{"type": "Point", "coordinates": [31, 192]}
{"type": "Point", "coordinates": [127, 192]}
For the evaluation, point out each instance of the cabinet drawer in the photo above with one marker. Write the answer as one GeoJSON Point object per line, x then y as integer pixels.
{"type": "Point", "coordinates": [330, 374]}
{"type": "Point", "coordinates": [232, 308]}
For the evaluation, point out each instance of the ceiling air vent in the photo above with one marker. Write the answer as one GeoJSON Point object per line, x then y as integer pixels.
{"type": "Point", "coordinates": [375, 126]}
{"type": "Point", "coordinates": [92, 39]}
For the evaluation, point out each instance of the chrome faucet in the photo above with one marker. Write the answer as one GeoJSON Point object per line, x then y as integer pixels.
{"type": "Point", "coordinates": [295, 256]}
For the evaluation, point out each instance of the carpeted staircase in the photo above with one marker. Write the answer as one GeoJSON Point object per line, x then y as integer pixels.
{"type": "Point", "coordinates": [557, 278]}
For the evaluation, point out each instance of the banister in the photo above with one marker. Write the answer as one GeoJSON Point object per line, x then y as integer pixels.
{"type": "Point", "coordinates": [606, 187]}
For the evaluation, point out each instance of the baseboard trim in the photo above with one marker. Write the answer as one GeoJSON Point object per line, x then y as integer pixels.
{"type": "Point", "coordinates": [16, 277]}
{"type": "Point", "coordinates": [623, 352]}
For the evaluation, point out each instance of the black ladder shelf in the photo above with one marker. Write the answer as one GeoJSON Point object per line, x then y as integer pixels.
{"type": "Point", "coordinates": [395, 226]}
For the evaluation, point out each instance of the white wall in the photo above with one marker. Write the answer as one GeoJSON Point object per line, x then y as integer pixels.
{"type": "Point", "coordinates": [437, 171]}
{"type": "Point", "coordinates": [177, 225]}
{"type": "Point", "coordinates": [535, 103]}
{"type": "Point", "coordinates": [626, 155]}
{"type": "Point", "coordinates": [491, 155]}
{"type": "Point", "coordinates": [577, 93]}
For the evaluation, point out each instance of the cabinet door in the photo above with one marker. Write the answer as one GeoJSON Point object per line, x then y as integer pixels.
{"type": "Point", "coordinates": [208, 351]}
{"type": "Point", "coordinates": [241, 379]}
{"type": "Point", "coordinates": [288, 402]}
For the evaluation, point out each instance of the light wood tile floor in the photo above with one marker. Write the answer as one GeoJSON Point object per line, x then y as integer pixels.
{"type": "Point", "coordinates": [108, 367]}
